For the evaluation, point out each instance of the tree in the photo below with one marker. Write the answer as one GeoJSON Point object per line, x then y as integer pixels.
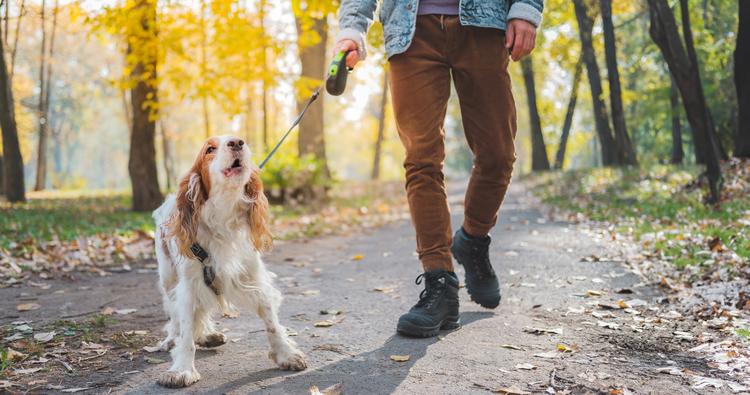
{"type": "Point", "coordinates": [539, 160]}
{"type": "Point", "coordinates": [45, 76]}
{"type": "Point", "coordinates": [568, 122]}
{"type": "Point", "coordinates": [624, 148]}
{"type": "Point", "coordinates": [142, 54]}
{"type": "Point", "coordinates": [742, 82]}
{"type": "Point", "coordinates": [601, 117]}
{"type": "Point", "coordinates": [683, 66]}
{"type": "Point", "coordinates": [375, 174]}
{"type": "Point", "coordinates": [312, 36]}
{"type": "Point", "coordinates": [674, 104]}
{"type": "Point", "coordinates": [14, 50]}
{"type": "Point", "coordinates": [12, 159]}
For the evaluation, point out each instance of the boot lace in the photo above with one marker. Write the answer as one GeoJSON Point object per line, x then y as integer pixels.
{"type": "Point", "coordinates": [432, 290]}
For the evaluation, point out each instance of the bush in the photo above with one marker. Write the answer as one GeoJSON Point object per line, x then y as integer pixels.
{"type": "Point", "coordinates": [292, 179]}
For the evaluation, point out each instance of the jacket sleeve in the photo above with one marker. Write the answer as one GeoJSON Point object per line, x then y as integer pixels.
{"type": "Point", "coordinates": [355, 18]}
{"type": "Point", "coordinates": [528, 10]}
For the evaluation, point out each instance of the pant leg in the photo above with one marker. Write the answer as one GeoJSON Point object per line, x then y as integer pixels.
{"type": "Point", "coordinates": [479, 61]}
{"type": "Point", "coordinates": [420, 87]}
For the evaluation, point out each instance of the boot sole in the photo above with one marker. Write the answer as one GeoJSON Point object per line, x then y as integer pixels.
{"type": "Point", "coordinates": [409, 329]}
{"type": "Point", "coordinates": [487, 304]}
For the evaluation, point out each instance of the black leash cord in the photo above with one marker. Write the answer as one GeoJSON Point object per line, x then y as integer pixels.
{"type": "Point", "coordinates": [294, 124]}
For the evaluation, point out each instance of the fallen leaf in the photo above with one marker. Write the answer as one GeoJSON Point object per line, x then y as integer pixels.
{"type": "Point", "coordinates": [592, 292]}
{"type": "Point", "coordinates": [384, 289]}
{"type": "Point", "coordinates": [71, 390]}
{"type": "Point", "coordinates": [107, 311]}
{"type": "Point", "coordinates": [151, 348]}
{"type": "Point", "coordinates": [44, 337]}
{"type": "Point", "coordinates": [512, 347]}
{"type": "Point", "coordinates": [28, 306]}
{"type": "Point", "coordinates": [14, 355]}
{"type": "Point", "coordinates": [512, 390]}
{"type": "Point", "coordinates": [153, 360]}
{"type": "Point", "coordinates": [358, 257]}
{"type": "Point", "coordinates": [323, 324]}
{"type": "Point", "coordinates": [565, 348]}
{"type": "Point", "coordinates": [525, 366]}
{"type": "Point", "coordinates": [125, 311]}
{"type": "Point", "coordinates": [548, 355]}
{"type": "Point", "coordinates": [608, 325]}
{"type": "Point", "coordinates": [544, 331]}
{"type": "Point", "coordinates": [400, 358]}
{"type": "Point", "coordinates": [26, 371]}
{"type": "Point", "coordinates": [311, 292]}
{"type": "Point", "coordinates": [23, 328]}
{"type": "Point", "coordinates": [336, 389]}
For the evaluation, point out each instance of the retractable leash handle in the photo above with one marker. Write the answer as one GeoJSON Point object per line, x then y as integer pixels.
{"type": "Point", "coordinates": [337, 73]}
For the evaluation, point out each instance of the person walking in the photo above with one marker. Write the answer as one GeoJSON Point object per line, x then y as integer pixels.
{"type": "Point", "coordinates": [428, 43]}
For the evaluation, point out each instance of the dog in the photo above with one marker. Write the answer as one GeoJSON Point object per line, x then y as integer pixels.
{"type": "Point", "coordinates": [220, 207]}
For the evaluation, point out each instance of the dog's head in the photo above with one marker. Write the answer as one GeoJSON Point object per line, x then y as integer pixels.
{"type": "Point", "coordinates": [222, 170]}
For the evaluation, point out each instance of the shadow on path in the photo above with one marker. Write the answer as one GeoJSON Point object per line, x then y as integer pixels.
{"type": "Point", "coordinates": [371, 372]}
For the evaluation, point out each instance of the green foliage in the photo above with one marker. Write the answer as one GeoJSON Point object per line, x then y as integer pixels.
{"type": "Point", "coordinates": [744, 333]}
{"type": "Point", "coordinates": [5, 361]}
{"type": "Point", "coordinates": [291, 178]}
{"type": "Point", "coordinates": [653, 206]}
{"type": "Point", "coordinates": [66, 218]}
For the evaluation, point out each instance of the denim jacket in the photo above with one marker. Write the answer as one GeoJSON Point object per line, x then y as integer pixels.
{"type": "Point", "coordinates": [399, 18]}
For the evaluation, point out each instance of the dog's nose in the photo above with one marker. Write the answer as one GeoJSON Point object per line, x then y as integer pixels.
{"type": "Point", "coordinates": [235, 144]}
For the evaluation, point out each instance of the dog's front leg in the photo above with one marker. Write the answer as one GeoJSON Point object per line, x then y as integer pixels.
{"type": "Point", "coordinates": [182, 373]}
{"type": "Point", "coordinates": [284, 351]}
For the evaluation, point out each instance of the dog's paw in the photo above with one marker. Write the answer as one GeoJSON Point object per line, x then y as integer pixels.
{"type": "Point", "coordinates": [290, 360]}
{"type": "Point", "coordinates": [211, 340]}
{"type": "Point", "coordinates": [178, 379]}
{"type": "Point", "coordinates": [166, 344]}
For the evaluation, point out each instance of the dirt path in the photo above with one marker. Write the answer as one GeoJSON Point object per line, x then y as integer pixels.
{"type": "Point", "coordinates": [546, 285]}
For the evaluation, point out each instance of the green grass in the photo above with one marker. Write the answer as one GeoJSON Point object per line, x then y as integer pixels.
{"type": "Point", "coordinates": [645, 202]}
{"type": "Point", "coordinates": [68, 216]}
{"type": "Point", "coordinates": [744, 333]}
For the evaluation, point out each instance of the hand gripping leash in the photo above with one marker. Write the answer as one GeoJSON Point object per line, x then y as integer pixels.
{"type": "Point", "coordinates": [335, 85]}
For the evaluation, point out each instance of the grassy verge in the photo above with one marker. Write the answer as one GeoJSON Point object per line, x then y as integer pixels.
{"type": "Point", "coordinates": [655, 207]}
{"type": "Point", "coordinates": [65, 216]}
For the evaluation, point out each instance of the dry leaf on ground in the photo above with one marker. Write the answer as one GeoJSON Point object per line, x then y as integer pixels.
{"type": "Point", "coordinates": [400, 358]}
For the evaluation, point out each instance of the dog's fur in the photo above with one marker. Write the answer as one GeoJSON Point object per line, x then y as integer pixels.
{"type": "Point", "coordinates": [221, 206]}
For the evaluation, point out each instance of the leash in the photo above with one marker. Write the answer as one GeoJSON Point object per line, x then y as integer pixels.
{"type": "Point", "coordinates": [335, 85]}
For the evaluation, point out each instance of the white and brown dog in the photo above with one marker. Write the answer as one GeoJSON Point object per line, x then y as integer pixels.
{"type": "Point", "coordinates": [220, 207]}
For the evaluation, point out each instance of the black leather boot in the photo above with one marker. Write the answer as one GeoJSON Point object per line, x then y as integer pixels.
{"type": "Point", "coordinates": [437, 307]}
{"type": "Point", "coordinates": [474, 255]}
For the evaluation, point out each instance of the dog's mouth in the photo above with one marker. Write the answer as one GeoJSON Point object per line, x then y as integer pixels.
{"type": "Point", "coordinates": [234, 169]}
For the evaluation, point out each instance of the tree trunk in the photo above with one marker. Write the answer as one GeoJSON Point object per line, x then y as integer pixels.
{"type": "Point", "coordinates": [601, 117]}
{"type": "Point", "coordinates": [568, 123]}
{"type": "Point", "coordinates": [674, 102]}
{"type": "Point", "coordinates": [42, 114]}
{"type": "Point", "coordinates": [625, 152]}
{"type": "Point", "coordinates": [12, 159]}
{"type": "Point", "coordinates": [2, 183]}
{"type": "Point", "coordinates": [539, 160]}
{"type": "Point", "coordinates": [313, 58]}
{"type": "Point", "coordinates": [45, 100]}
{"type": "Point", "coordinates": [14, 50]}
{"type": "Point", "coordinates": [375, 174]}
{"type": "Point", "coordinates": [142, 161]}
{"type": "Point", "coordinates": [166, 148]}
{"type": "Point", "coordinates": [684, 69]}
{"type": "Point", "coordinates": [742, 82]}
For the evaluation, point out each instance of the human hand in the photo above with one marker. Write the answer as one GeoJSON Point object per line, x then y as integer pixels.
{"type": "Point", "coordinates": [348, 45]}
{"type": "Point", "coordinates": [520, 38]}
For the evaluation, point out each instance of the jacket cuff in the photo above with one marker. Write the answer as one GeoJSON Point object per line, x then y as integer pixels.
{"type": "Point", "coordinates": [356, 36]}
{"type": "Point", "coordinates": [526, 12]}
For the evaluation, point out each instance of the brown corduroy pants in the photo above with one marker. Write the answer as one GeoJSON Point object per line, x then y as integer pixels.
{"type": "Point", "coordinates": [477, 60]}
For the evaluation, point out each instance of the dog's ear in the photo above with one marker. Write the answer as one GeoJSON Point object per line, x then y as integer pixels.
{"type": "Point", "coordinates": [258, 214]}
{"type": "Point", "coordinates": [190, 199]}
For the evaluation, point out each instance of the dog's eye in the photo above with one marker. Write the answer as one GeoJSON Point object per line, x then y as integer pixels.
{"type": "Point", "coordinates": [210, 149]}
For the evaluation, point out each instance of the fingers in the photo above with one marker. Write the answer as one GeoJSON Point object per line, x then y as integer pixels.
{"type": "Point", "coordinates": [352, 58]}
{"type": "Point", "coordinates": [510, 35]}
{"type": "Point", "coordinates": [521, 36]}
{"type": "Point", "coordinates": [351, 46]}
